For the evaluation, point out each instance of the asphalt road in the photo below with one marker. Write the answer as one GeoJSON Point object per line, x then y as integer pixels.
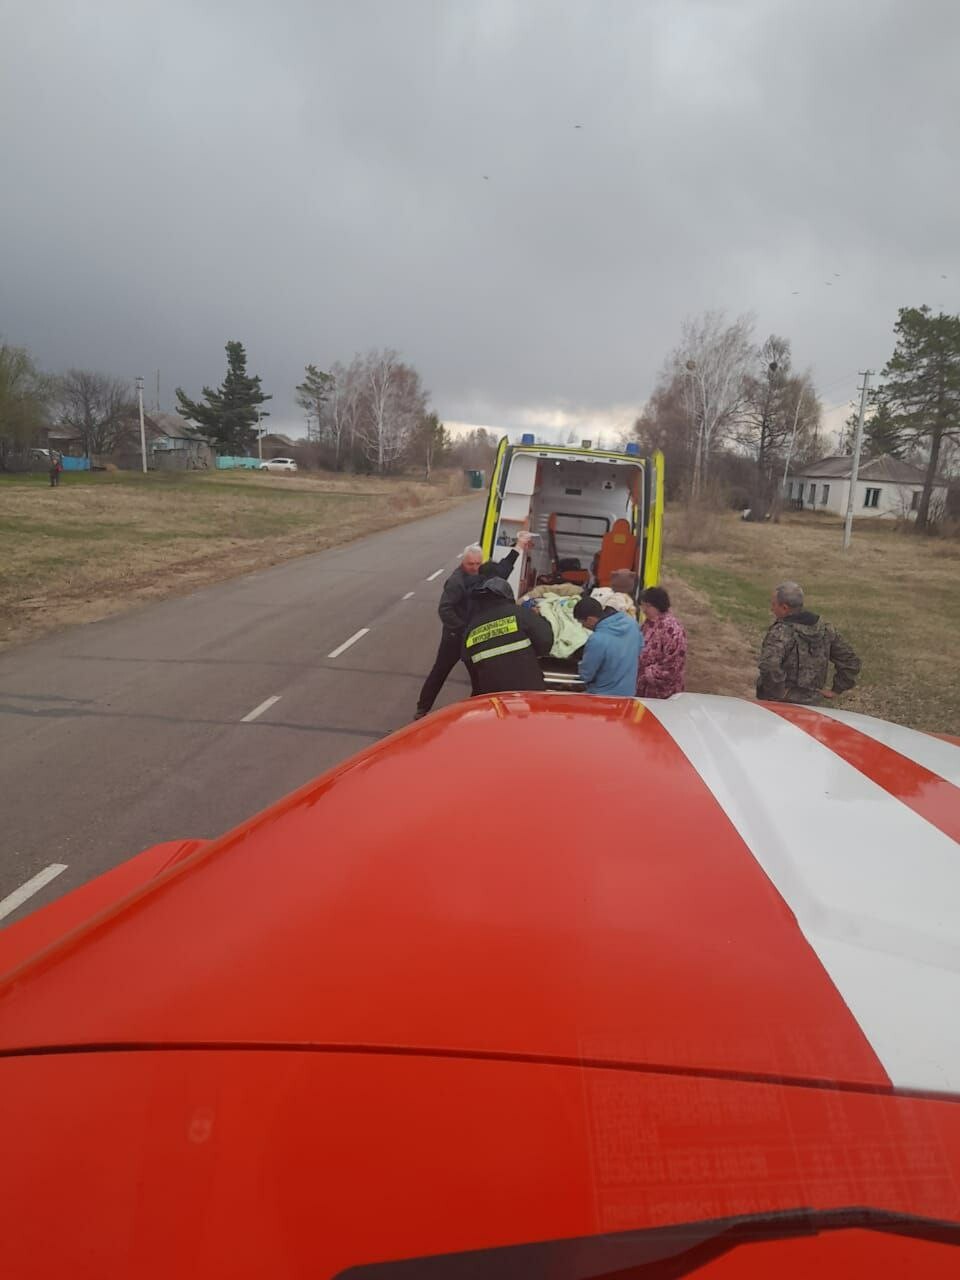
{"type": "Point", "coordinates": [120, 734]}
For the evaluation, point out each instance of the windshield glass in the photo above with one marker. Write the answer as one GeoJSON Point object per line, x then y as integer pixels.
{"type": "Point", "coordinates": [794, 1245]}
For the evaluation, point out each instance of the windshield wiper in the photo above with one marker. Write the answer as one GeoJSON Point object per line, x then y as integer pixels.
{"type": "Point", "coordinates": [657, 1253]}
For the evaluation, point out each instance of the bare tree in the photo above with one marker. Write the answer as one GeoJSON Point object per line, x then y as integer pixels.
{"type": "Point", "coordinates": [393, 404]}
{"type": "Point", "coordinates": [99, 408]}
{"type": "Point", "coordinates": [475, 449]}
{"type": "Point", "coordinates": [340, 420]}
{"type": "Point", "coordinates": [779, 418]}
{"type": "Point", "coordinates": [712, 359]}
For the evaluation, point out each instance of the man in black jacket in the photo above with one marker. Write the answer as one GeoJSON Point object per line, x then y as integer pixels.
{"type": "Point", "coordinates": [454, 610]}
{"type": "Point", "coordinates": [502, 642]}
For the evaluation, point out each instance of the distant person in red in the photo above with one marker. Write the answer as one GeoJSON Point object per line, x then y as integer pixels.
{"type": "Point", "coordinates": [55, 469]}
{"type": "Point", "coordinates": [663, 662]}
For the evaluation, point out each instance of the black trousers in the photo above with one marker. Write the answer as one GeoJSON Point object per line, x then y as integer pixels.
{"type": "Point", "coordinates": [448, 655]}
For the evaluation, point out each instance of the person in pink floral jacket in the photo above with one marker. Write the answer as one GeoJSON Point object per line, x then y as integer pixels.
{"type": "Point", "coordinates": [664, 658]}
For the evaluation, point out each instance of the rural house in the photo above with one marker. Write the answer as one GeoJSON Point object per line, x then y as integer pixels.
{"type": "Point", "coordinates": [173, 445]}
{"type": "Point", "coordinates": [886, 486]}
{"type": "Point", "coordinates": [276, 445]}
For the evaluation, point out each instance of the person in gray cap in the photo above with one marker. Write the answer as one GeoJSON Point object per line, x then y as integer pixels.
{"type": "Point", "coordinates": [502, 641]}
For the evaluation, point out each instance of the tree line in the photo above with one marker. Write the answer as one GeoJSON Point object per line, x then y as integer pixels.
{"type": "Point", "coordinates": [96, 407]}
{"type": "Point", "coordinates": [729, 410]}
{"type": "Point", "coordinates": [371, 415]}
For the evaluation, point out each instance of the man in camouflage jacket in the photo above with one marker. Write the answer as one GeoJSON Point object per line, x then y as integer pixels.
{"type": "Point", "coordinates": [797, 651]}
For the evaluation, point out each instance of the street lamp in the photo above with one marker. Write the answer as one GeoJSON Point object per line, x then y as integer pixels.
{"type": "Point", "coordinates": [143, 434]}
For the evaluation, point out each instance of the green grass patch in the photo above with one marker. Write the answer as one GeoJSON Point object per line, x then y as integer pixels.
{"type": "Point", "coordinates": [732, 596]}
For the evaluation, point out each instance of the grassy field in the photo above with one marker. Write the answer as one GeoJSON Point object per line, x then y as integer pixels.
{"type": "Point", "coordinates": [104, 540]}
{"type": "Point", "coordinates": [895, 597]}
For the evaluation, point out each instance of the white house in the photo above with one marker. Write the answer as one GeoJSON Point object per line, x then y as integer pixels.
{"type": "Point", "coordinates": [886, 486]}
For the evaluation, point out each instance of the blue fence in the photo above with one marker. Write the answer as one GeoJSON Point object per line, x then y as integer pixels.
{"type": "Point", "coordinates": [75, 464]}
{"type": "Point", "coordinates": [235, 464]}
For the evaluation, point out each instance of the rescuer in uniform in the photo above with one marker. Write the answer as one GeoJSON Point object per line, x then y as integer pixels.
{"type": "Point", "coordinates": [454, 610]}
{"type": "Point", "coordinates": [502, 642]}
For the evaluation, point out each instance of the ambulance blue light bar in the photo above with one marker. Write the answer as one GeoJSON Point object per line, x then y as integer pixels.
{"type": "Point", "coordinates": [632, 448]}
{"type": "Point", "coordinates": [527, 438]}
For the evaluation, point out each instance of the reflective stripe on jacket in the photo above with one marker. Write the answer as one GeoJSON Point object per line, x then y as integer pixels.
{"type": "Point", "coordinates": [501, 647]}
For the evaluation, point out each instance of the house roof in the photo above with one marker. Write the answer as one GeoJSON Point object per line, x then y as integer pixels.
{"type": "Point", "coordinates": [892, 470]}
{"type": "Point", "coordinates": [171, 424]}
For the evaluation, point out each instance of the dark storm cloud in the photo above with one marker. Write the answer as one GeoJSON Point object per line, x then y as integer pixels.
{"type": "Point", "coordinates": [310, 178]}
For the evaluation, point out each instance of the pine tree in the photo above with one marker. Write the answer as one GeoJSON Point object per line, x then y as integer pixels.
{"type": "Point", "coordinates": [881, 434]}
{"type": "Point", "coordinates": [429, 443]}
{"type": "Point", "coordinates": [921, 387]}
{"type": "Point", "coordinates": [312, 394]}
{"type": "Point", "coordinates": [229, 417]}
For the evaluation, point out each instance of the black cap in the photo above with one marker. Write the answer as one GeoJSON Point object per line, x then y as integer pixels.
{"type": "Point", "coordinates": [497, 587]}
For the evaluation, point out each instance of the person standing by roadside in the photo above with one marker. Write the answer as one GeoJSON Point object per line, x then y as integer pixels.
{"type": "Point", "coordinates": [55, 469]}
{"type": "Point", "coordinates": [797, 651]}
{"type": "Point", "coordinates": [663, 661]}
{"type": "Point", "coordinates": [454, 610]}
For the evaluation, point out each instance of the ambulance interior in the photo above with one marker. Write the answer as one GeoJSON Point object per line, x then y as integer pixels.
{"type": "Point", "coordinates": [586, 512]}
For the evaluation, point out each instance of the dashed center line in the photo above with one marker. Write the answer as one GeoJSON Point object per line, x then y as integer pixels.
{"type": "Point", "coordinates": [258, 711]}
{"type": "Point", "coordinates": [408, 596]}
{"type": "Point", "coordinates": [32, 886]}
{"type": "Point", "coordinates": [435, 575]}
{"type": "Point", "coordinates": [357, 635]}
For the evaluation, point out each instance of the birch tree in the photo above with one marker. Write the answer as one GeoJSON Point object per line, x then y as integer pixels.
{"type": "Point", "coordinates": [712, 359]}
{"type": "Point", "coordinates": [393, 403]}
{"type": "Point", "coordinates": [342, 409]}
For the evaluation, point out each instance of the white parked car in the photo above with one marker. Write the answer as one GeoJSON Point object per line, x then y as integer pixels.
{"type": "Point", "coordinates": [278, 464]}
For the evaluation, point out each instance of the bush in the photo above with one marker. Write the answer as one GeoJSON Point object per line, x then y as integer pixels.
{"type": "Point", "coordinates": [696, 526]}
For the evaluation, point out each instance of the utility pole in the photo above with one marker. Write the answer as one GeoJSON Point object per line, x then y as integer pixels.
{"type": "Point", "coordinates": [855, 461]}
{"type": "Point", "coordinates": [793, 438]}
{"type": "Point", "coordinates": [143, 434]}
{"type": "Point", "coordinates": [259, 438]}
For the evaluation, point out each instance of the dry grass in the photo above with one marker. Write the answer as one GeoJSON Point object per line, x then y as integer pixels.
{"type": "Point", "coordinates": [895, 596]}
{"type": "Point", "coordinates": [100, 543]}
{"type": "Point", "coordinates": [698, 526]}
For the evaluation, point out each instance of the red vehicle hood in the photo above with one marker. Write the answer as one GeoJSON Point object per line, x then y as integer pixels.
{"type": "Point", "coordinates": [543, 877]}
{"type": "Point", "coordinates": [252, 1163]}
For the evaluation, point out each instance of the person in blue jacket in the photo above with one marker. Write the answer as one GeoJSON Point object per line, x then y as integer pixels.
{"type": "Point", "coordinates": [611, 655]}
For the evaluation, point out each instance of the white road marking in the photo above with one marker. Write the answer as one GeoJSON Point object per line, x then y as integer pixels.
{"type": "Point", "coordinates": [408, 596]}
{"type": "Point", "coordinates": [32, 886]}
{"type": "Point", "coordinates": [258, 711]}
{"type": "Point", "coordinates": [357, 635]}
{"type": "Point", "coordinates": [435, 575]}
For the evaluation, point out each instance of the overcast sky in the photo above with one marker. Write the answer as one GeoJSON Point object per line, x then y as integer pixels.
{"type": "Point", "coordinates": [316, 178]}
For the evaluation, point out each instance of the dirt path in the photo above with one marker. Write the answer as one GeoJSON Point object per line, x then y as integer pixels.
{"type": "Point", "coordinates": [719, 657]}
